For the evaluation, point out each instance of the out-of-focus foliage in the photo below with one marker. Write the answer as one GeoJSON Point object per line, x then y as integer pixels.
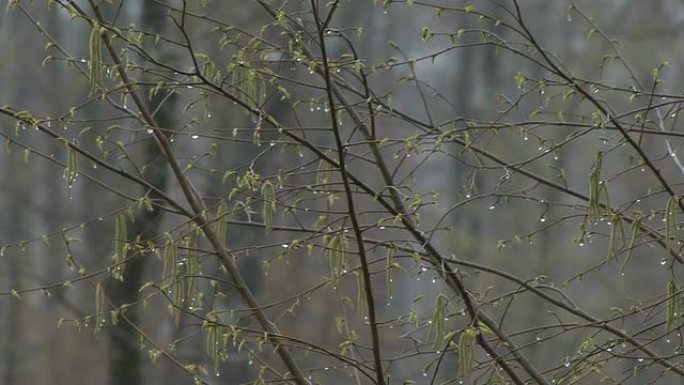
{"type": "Point", "coordinates": [345, 191]}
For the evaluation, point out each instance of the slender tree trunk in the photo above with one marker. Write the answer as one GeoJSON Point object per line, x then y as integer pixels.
{"type": "Point", "coordinates": [15, 221]}
{"type": "Point", "coordinates": [12, 342]}
{"type": "Point", "coordinates": [12, 224]}
{"type": "Point", "coordinates": [125, 357]}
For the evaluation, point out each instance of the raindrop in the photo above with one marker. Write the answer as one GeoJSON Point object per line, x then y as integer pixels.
{"type": "Point", "coordinates": [492, 207]}
{"type": "Point", "coordinates": [567, 364]}
{"type": "Point", "coordinates": [150, 131]}
{"type": "Point", "coordinates": [424, 373]}
{"type": "Point", "coordinates": [189, 87]}
{"type": "Point", "coordinates": [673, 115]}
{"type": "Point", "coordinates": [194, 136]}
{"type": "Point", "coordinates": [285, 245]}
{"type": "Point", "coordinates": [581, 244]}
{"type": "Point", "coordinates": [596, 90]}
{"type": "Point", "coordinates": [640, 359]}
{"type": "Point", "coordinates": [382, 227]}
{"type": "Point", "coordinates": [468, 196]}
{"type": "Point", "coordinates": [663, 262]}
{"type": "Point", "coordinates": [542, 219]}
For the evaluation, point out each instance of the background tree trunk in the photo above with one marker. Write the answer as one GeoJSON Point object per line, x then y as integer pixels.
{"type": "Point", "coordinates": [125, 357]}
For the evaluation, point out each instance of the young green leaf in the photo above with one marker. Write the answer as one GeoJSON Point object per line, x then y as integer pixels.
{"type": "Point", "coordinates": [120, 241]}
{"type": "Point", "coordinates": [268, 192]}
{"type": "Point", "coordinates": [466, 349]}
{"type": "Point", "coordinates": [99, 307]}
{"type": "Point", "coordinates": [95, 58]}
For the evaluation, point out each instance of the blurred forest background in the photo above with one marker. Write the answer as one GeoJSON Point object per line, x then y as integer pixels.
{"type": "Point", "coordinates": [432, 68]}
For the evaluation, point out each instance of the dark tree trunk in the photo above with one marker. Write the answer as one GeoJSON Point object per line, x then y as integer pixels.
{"type": "Point", "coordinates": [125, 356]}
